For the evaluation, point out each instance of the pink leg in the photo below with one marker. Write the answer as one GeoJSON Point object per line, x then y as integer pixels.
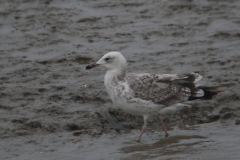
{"type": "Point", "coordinates": [163, 127]}
{"type": "Point", "coordinates": [143, 130]}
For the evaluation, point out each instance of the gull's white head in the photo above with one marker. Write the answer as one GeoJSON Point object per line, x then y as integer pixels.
{"type": "Point", "coordinates": [111, 60]}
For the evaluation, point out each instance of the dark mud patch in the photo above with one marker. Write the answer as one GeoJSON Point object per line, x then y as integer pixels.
{"type": "Point", "coordinates": [89, 20]}
{"type": "Point", "coordinates": [83, 60]}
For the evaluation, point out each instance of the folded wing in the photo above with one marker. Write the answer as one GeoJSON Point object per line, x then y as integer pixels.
{"type": "Point", "coordinates": [168, 89]}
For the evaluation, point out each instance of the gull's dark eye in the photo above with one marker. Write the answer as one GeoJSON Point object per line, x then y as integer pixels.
{"type": "Point", "coordinates": [107, 59]}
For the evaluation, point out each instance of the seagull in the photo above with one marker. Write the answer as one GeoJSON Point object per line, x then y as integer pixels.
{"type": "Point", "coordinates": [149, 94]}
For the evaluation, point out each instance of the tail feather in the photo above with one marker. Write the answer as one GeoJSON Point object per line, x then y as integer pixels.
{"type": "Point", "coordinates": [208, 93]}
{"type": "Point", "coordinates": [197, 91]}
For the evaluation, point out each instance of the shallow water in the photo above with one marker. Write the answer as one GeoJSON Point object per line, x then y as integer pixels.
{"type": "Point", "coordinates": [205, 141]}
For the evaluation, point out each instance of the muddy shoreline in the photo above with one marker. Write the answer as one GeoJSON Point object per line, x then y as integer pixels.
{"type": "Point", "coordinates": [51, 107]}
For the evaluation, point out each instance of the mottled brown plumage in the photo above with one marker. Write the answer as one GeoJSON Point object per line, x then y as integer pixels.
{"type": "Point", "coordinates": [160, 91]}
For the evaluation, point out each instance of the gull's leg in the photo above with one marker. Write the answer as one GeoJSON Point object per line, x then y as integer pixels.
{"type": "Point", "coordinates": [163, 127]}
{"type": "Point", "coordinates": [143, 129]}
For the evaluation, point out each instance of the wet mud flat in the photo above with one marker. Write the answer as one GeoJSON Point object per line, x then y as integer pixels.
{"type": "Point", "coordinates": [52, 108]}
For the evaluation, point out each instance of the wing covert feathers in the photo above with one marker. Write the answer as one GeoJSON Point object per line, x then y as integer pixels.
{"type": "Point", "coordinates": [168, 89]}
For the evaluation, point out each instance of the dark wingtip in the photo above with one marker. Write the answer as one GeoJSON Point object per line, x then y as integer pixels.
{"type": "Point", "coordinates": [209, 93]}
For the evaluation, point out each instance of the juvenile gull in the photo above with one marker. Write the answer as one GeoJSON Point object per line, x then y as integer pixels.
{"type": "Point", "coordinates": [149, 94]}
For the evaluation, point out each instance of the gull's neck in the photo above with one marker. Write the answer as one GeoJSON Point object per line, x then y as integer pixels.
{"type": "Point", "coordinates": [114, 76]}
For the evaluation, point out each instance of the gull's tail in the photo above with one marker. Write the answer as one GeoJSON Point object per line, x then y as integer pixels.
{"type": "Point", "coordinates": [206, 93]}
{"type": "Point", "coordinates": [197, 91]}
